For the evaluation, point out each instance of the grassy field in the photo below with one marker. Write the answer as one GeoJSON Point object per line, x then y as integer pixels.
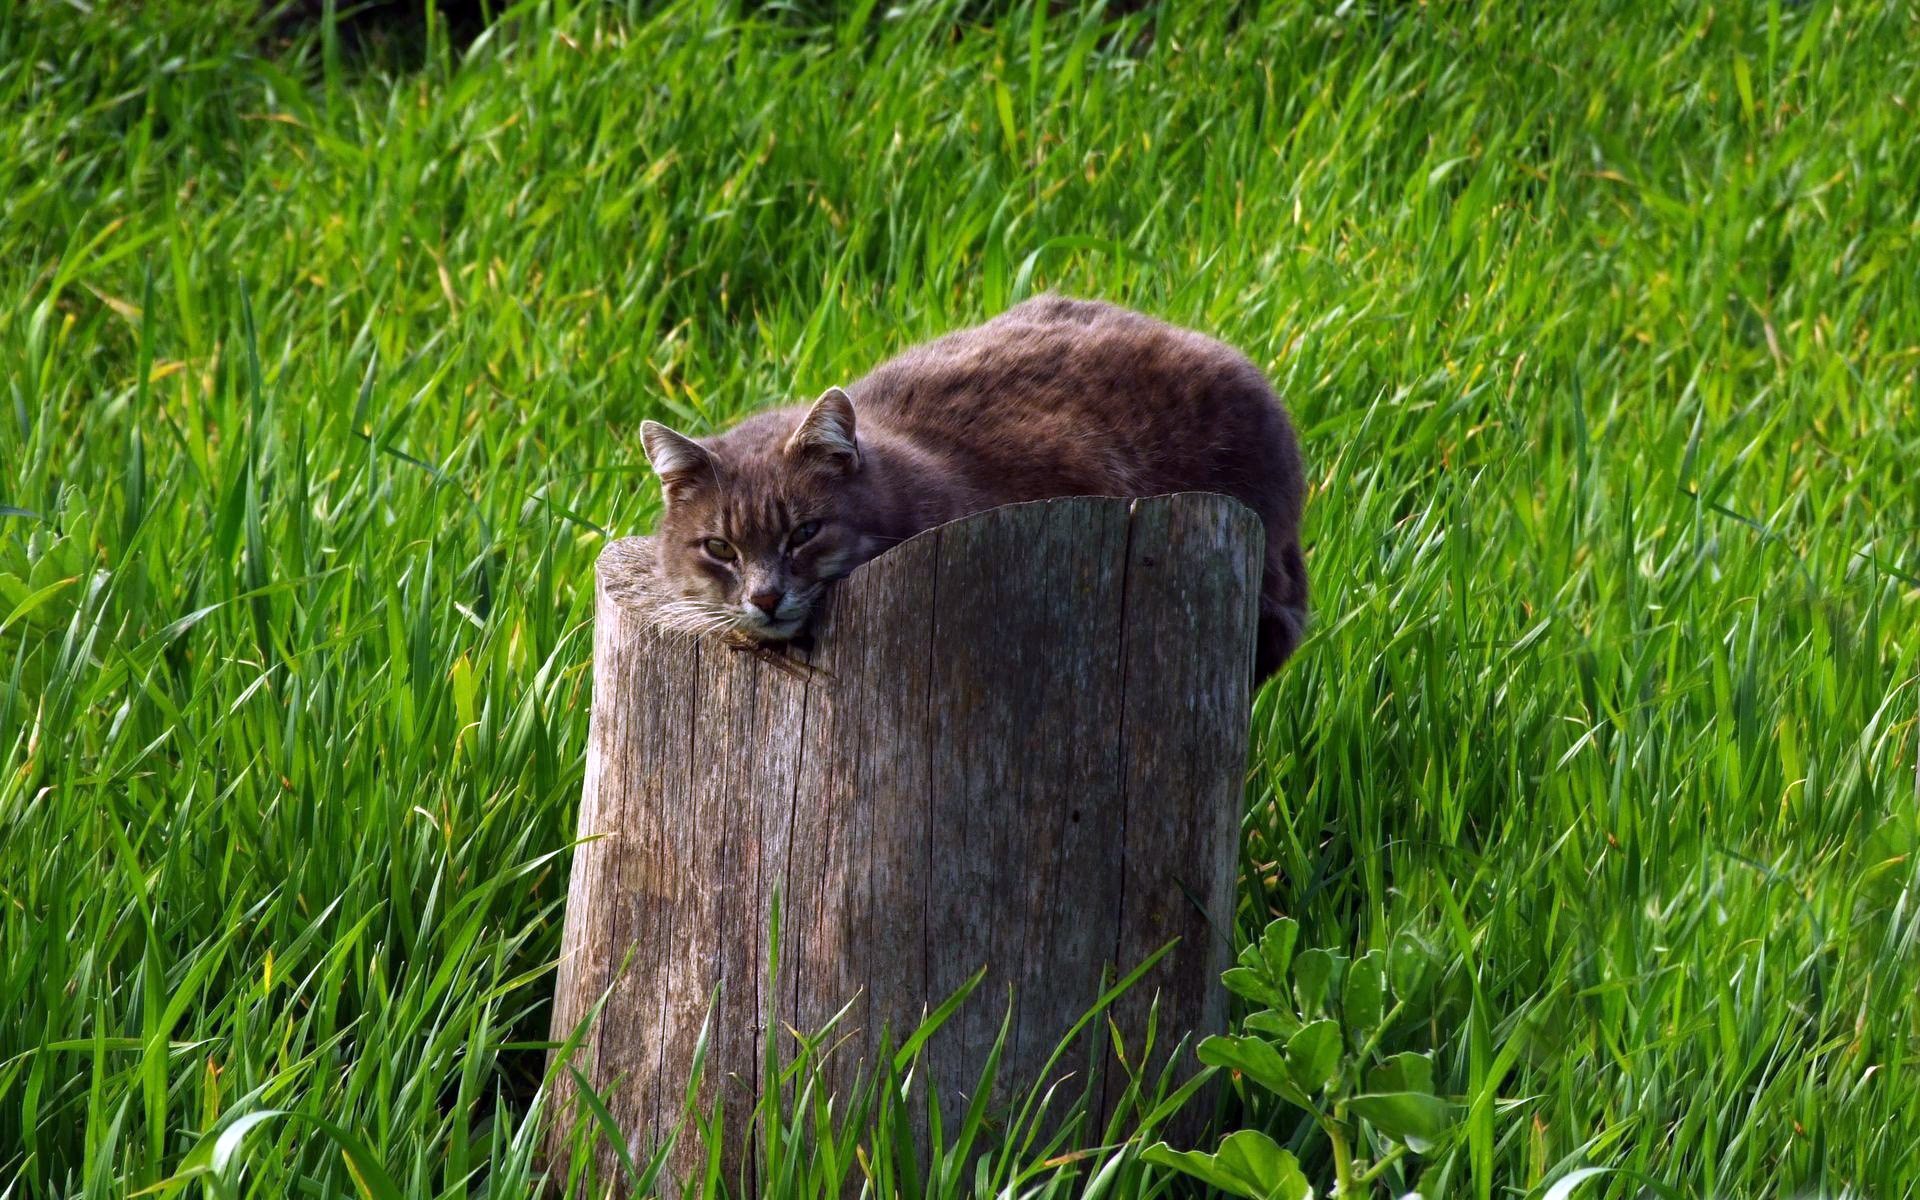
{"type": "Point", "coordinates": [322, 381]}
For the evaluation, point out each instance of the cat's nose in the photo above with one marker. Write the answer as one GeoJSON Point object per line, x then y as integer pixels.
{"type": "Point", "coordinates": [766, 602]}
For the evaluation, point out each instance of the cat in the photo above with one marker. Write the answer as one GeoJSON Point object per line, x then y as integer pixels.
{"type": "Point", "coordinates": [1055, 397]}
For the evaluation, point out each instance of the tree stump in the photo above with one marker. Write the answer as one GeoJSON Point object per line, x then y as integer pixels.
{"type": "Point", "coordinates": [1022, 746]}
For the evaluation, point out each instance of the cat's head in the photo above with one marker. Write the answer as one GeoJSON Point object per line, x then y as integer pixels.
{"type": "Point", "coordinates": [758, 520]}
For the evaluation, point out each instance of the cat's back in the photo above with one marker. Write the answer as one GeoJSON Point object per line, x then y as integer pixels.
{"type": "Point", "coordinates": [1072, 396]}
{"type": "Point", "coordinates": [1045, 354]}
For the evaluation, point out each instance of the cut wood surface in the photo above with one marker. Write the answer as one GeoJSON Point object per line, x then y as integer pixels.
{"type": "Point", "coordinates": [1021, 746]}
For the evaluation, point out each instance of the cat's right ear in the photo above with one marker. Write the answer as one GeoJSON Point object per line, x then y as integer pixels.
{"type": "Point", "coordinates": [680, 461]}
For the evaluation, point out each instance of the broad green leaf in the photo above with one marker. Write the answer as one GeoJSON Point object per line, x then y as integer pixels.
{"type": "Point", "coordinates": [1253, 1058]}
{"type": "Point", "coordinates": [1313, 1055]}
{"type": "Point", "coordinates": [1248, 1164]}
{"type": "Point", "coordinates": [1362, 998]}
{"type": "Point", "coordinates": [1274, 1022]}
{"type": "Point", "coordinates": [1258, 1062]}
{"type": "Point", "coordinates": [1252, 985]}
{"type": "Point", "coordinates": [1252, 1155]}
{"type": "Point", "coordinates": [1407, 961]}
{"type": "Point", "coordinates": [1313, 980]}
{"type": "Point", "coordinates": [1405, 1072]}
{"type": "Point", "coordinates": [1416, 1118]}
{"type": "Point", "coordinates": [1276, 946]}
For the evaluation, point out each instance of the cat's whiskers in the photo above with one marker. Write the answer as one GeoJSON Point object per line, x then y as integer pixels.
{"type": "Point", "coordinates": [694, 618]}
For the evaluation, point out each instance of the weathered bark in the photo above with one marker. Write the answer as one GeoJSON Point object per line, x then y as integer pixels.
{"type": "Point", "coordinates": [1022, 746]}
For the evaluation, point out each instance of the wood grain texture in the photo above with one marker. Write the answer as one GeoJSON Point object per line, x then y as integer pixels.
{"type": "Point", "coordinates": [1022, 747]}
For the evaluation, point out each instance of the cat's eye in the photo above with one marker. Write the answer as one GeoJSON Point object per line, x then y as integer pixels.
{"type": "Point", "coordinates": [721, 550]}
{"type": "Point", "coordinates": [803, 533]}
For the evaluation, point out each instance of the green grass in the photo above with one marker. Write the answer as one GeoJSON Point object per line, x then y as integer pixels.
{"type": "Point", "coordinates": [1601, 325]}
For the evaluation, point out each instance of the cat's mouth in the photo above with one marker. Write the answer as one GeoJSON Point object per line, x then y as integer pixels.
{"type": "Point", "coordinates": [782, 624]}
{"type": "Point", "coordinates": [772, 629]}
{"type": "Point", "coordinates": [785, 622]}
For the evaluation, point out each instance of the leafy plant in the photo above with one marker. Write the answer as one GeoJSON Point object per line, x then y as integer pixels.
{"type": "Point", "coordinates": [1313, 1038]}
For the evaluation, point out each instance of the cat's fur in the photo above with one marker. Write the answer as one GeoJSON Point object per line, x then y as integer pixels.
{"type": "Point", "coordinates": [1055, 397]}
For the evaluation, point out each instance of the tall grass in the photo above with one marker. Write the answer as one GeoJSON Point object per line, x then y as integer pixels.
{"type": "Point", "coordinates": [1601, 325]}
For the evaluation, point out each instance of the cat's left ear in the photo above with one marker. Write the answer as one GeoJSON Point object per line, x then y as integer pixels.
{"type": "Point", "coordinates": [825, 434]}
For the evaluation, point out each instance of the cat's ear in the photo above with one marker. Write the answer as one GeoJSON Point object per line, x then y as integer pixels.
{"type": "Point", "coordinates": [677, 459]}
{"type": "Point", "coordinates": [825, 434]}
